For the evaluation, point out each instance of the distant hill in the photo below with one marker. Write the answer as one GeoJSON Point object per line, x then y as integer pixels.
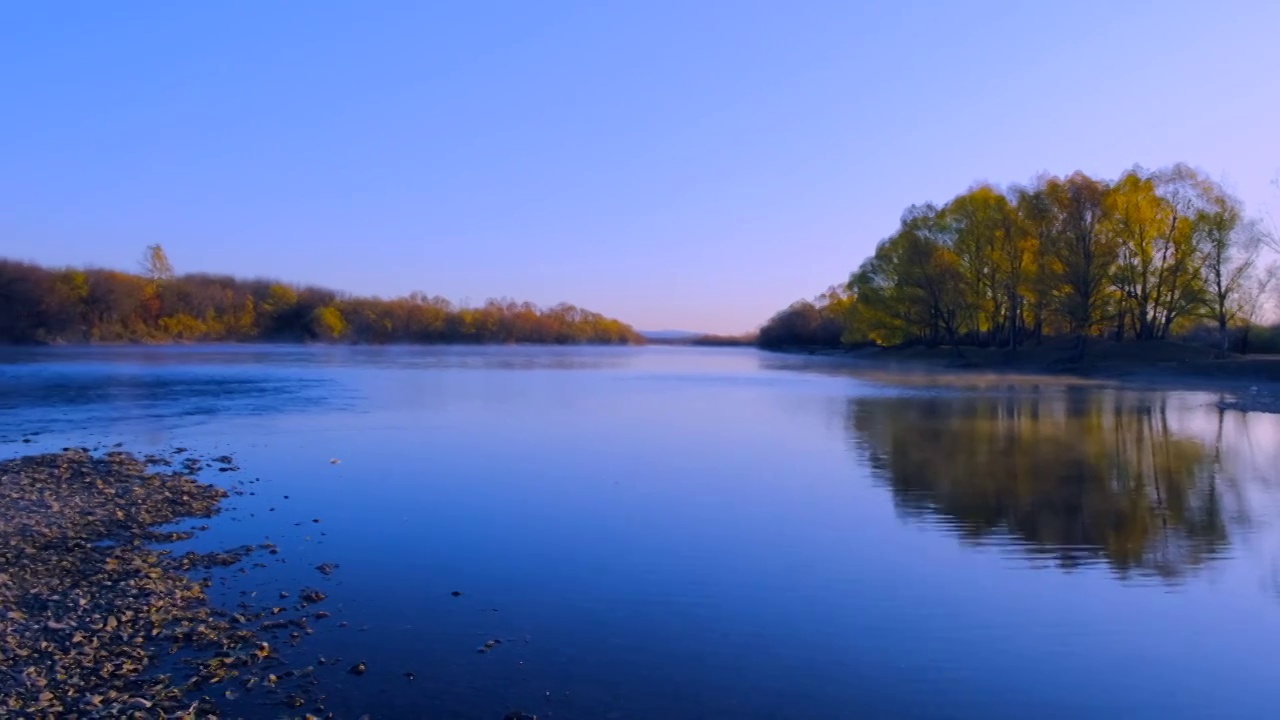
{"type": "Point", "coordinates": [684, 337]}
{"type": "Point", "coordinates": [669, 334]}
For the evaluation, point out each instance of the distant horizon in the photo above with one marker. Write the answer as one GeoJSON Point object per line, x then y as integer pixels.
{"type": "Point", "coordinates": [668, 165]}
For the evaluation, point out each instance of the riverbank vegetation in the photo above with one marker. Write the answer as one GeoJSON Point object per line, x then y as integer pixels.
{"type": "Point", "coordinates": [45, 305]}
{"type": "Point", "coordinates": [1152, 255]}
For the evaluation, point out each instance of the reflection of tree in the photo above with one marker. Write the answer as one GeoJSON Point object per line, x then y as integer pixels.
{"type": "Point", "coordinates": [1074, 476]}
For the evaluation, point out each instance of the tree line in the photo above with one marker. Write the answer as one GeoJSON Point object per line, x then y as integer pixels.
{"type": "Point", "coordinates": [45, 305]}
{"type": "Point", "coordinates": [1144, 257]}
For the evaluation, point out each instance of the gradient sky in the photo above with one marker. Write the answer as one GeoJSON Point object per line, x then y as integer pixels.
{"type": "Point", "coordinates": [693, 165]}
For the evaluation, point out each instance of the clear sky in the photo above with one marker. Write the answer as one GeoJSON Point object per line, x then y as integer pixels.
{"type": "Point", "coordinates": [695, 164]}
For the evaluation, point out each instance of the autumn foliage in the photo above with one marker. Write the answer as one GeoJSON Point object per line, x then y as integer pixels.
{"type": "Point", "coordinates": [1138, 258]}
{"type": "Point", "coordinates": [39, 305]}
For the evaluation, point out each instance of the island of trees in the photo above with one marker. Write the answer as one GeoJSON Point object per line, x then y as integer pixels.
{"type": "Point", "coordinates": [45, 305]}
{"type": "Point", "coordinates": [1151, 255]}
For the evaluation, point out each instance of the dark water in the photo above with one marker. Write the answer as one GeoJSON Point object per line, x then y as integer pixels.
{"type": "Point", "coordinates": [679, 533]}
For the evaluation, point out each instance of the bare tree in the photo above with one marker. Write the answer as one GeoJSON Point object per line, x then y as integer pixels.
{"type": "Point", "coordinates": [155, 264]}
{"type": "Point", "coordinates": [1254, 299]}
{"type": "Point", "coordinates": [1231, 244]}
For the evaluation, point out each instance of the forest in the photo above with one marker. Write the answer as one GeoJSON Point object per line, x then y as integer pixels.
{"type": "Point", "coordinates": [1151, 255]}
{"type": "Point", "coordinates": [44, 305]}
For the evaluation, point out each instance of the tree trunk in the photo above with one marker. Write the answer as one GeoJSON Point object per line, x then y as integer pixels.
{"type": "Point", "coordinates": [1081, 339]}
{"type": "Point", "coordinates": [1014, 314]}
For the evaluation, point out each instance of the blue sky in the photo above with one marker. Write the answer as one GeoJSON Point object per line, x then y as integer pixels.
{"type": "Point", "coordinates": [696, 165]}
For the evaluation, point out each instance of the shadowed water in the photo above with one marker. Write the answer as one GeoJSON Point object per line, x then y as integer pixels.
{"type": "Point", "coordinates": [688, 533]}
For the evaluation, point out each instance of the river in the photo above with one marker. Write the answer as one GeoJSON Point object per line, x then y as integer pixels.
{"type": "Point", "coordinates": [695, 533]}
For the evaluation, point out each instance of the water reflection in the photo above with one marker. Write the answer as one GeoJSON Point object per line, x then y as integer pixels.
{"type": "Point", "coordinates": [1079, 476]}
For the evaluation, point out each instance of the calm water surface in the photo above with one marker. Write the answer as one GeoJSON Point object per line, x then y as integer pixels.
{"type": "Point", "coordinates": [682, 533]}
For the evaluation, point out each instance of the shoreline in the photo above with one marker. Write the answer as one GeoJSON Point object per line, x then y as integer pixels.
{"type": "Point", "coordinates": [104, 615]}
{"type": "Point", "coordinates": [1247, 384]}
{"type": "Point", "coordinates": [251, 342]}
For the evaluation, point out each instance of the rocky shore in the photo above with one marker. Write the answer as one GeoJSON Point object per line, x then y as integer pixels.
{"type": "Point", "coordinates": [98, 619]}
